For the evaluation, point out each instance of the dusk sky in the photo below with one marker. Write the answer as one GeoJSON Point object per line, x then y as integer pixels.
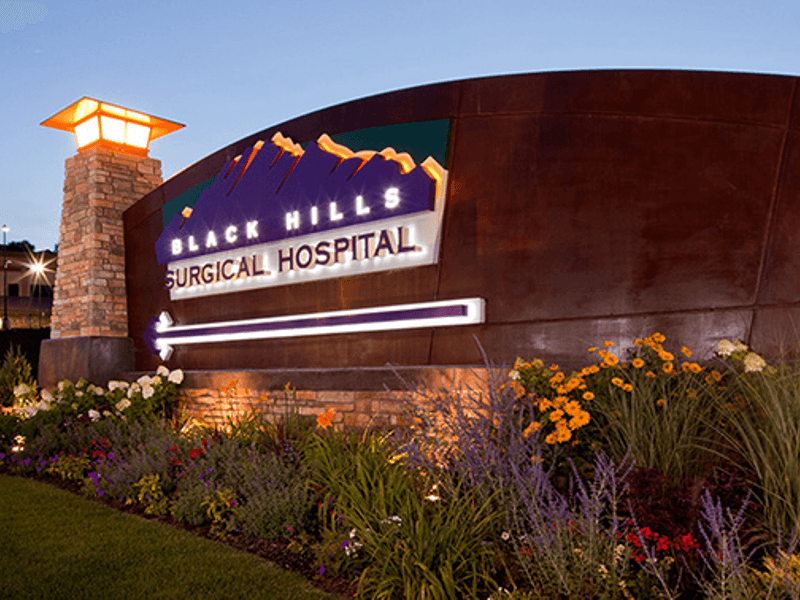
{"type": "Point", "coordinates": [227, 70]}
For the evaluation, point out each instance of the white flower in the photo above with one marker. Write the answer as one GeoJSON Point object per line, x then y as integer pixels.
{"type": "Point", "coordinates": [60, 386]}
{"type": "Point", "coordinates": [162, 370]}
{"type": "Point", "coordinates": [79, 393]}
{"type": "Point", "coordinates": [47, 396]}
{"type": "Point", "coordinates": [176, 376]}
{"type": "Point", "coordinates": [21, 390]}
{"type": "Point", "coordinates": [513, 374]}
{"type": "Point", "coordinates": [94, 415]}
{"type": "Point", "coordinates": [725, 348]}
{"type": "Point", "coordinates": [133, 389]}
{"type": "Point", "coordinates": [147, 391]}
{"type": "Point", "coordinates": [144, 380]}
{"type": "Point", "coordinates": [753, 363]}
{"type": "Point", "coordinates": [123, 404]}
{"type": "Point", "coordinates": [505, 536]}
{"type": "Point", "coordinates": [156, 379]}
{"type": "Point", "coordinates": [117, 385]}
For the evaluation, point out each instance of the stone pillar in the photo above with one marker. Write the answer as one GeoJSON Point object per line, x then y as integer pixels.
{"type": "Point", "coordinates": [90, 297]}
{"type": "Point", "coordinates": [89, 331]}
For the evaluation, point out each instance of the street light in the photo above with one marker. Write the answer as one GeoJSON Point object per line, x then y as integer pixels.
{"type": "Point", "coordinates": [6, 322]}
{"type": "Point", "coordinates": [37, 270]}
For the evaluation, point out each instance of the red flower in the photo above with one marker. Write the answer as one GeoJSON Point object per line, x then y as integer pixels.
{"type": "Point", "coordinates": [173, 449]}
{"type": "Point", "coordinates": [195, 453]}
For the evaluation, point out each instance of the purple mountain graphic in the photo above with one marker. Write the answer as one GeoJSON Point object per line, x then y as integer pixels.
{"type": "Point", "coordinates": [277, 178]}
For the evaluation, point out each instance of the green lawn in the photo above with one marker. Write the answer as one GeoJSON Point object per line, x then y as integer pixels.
{"type": "Point", "coordinates": [54, 544]}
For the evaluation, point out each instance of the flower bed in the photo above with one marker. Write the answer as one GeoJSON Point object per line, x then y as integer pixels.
{"type": "Point", "coordinates": [644, 474]}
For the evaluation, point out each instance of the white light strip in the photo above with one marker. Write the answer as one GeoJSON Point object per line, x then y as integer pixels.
{"type": "Point", "coordinates": [191, 334]}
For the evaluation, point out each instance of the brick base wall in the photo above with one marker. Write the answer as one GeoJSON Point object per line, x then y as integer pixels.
{"type": "Point", "coordinates": [218, 398]}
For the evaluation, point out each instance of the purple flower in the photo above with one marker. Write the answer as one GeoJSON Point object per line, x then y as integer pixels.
{"type": "Point", "coordinates": [321, 570]}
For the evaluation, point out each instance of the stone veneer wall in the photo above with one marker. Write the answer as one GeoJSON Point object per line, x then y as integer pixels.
{"type": "Point", "coordinates": [378, 400]}
{"type": "Point", "coordinates": [90, 297]}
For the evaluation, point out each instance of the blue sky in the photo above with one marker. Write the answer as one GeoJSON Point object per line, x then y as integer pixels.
{"type": "Point", "coordinates": [228, 69]}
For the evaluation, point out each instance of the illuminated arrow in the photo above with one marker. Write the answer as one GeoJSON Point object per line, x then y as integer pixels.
{"type": "Point", "coordinates": [162, 334]}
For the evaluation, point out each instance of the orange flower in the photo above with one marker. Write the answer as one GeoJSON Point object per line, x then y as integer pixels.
{"type": "Point", "coordinates": [608, 344]}
{"type": "Point", "coordinates": [687, 352]}
{"type": "Point", "coordinates": [588, 396]}
{"type": "Point", "coordinates": [650, 374]}
{"type": "Point", "coordinates": [325, 420]}
{"type": "Point", "coordinates": [592, 349]}
{"type": "Point", "coordinates": [627, 387]}
{"type": "Point", "coordinates": [661, 402]}
{"type": "Point", "coordinates": [617, 381]}
{"type": "Point", "coordinates": [637, 363]}
{"type": "Point", "coordinates": [668, 367]}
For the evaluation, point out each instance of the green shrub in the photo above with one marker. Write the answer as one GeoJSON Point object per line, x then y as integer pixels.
{"type": "Point", "coordinates": [151, 495]}
{"type": "Point", "coordinates": [15, 370]}
{"type": "Point", "coordinates": [412, 543]}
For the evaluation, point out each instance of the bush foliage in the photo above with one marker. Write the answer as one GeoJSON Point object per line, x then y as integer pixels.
{"type": "Point", "coordinates": [644, 474]}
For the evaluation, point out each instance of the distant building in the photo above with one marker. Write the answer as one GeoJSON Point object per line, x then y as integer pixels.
{"type": "Point", "coordinates": [29, 289]}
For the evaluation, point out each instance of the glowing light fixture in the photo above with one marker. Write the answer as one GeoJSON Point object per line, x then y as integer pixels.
{"type": "Point", "coordinates": [97, 123]}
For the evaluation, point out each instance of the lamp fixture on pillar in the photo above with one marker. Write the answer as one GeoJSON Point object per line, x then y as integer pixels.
{"type": "Point", "coordinates": [6, 322]}
{"type": "Point", "coordinates": [97, 123]}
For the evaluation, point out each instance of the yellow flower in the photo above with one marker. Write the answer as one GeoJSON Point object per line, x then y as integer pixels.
{"type": "Point", "coordinates": [560, 401]}
{"type": "Point", "coordinates": [617, 381]}
{"type": "Point", "coordinates": [666, 356]}
{"type": "Point", "coordinates": [658, 337]}
{"type": "Point", "coordinates": [545, 404]}
{"type": "Point", "coordinates": [608, 344]}
{"type": "Point", "coordinates": [638, 342]}
{"type": "Point", "coordinates": [528, 430]}
{"type": "Point", "coordinates": [588, 396]}
{"type": "Point", "coordinates": [716, 375]}
{"type": "Point", "coordinates": [594, 369]}
{"type": "Point", "coordinates": [563, 432]}
{"type": "Point", "coordinates": [556, 415]}
{"type": "Point", "coordinates": [650, 374]}
{"type": "Point", "coordinates": [687, 352]}
{"type": "Point", "coordinates": [579, 420]}
{"type": "Point", "coordinates": [326, 419]}
{"type": "Point", "coordinates": [695, 368]}
{"type": "Point", "coordinates": [637, 363]}
{"type": "Point", "coordinates": [554, 367]}
{"type": "Point", "coordinates": [668, 367]}
{"type": "Point", "coordinates": [551, 438]}
{"type": "Point", "coordinates": [556, 379]}
{"type": "Point", "coordinates": [627, 387]}
{"type": "Point", "coordinates": [572, 408]}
